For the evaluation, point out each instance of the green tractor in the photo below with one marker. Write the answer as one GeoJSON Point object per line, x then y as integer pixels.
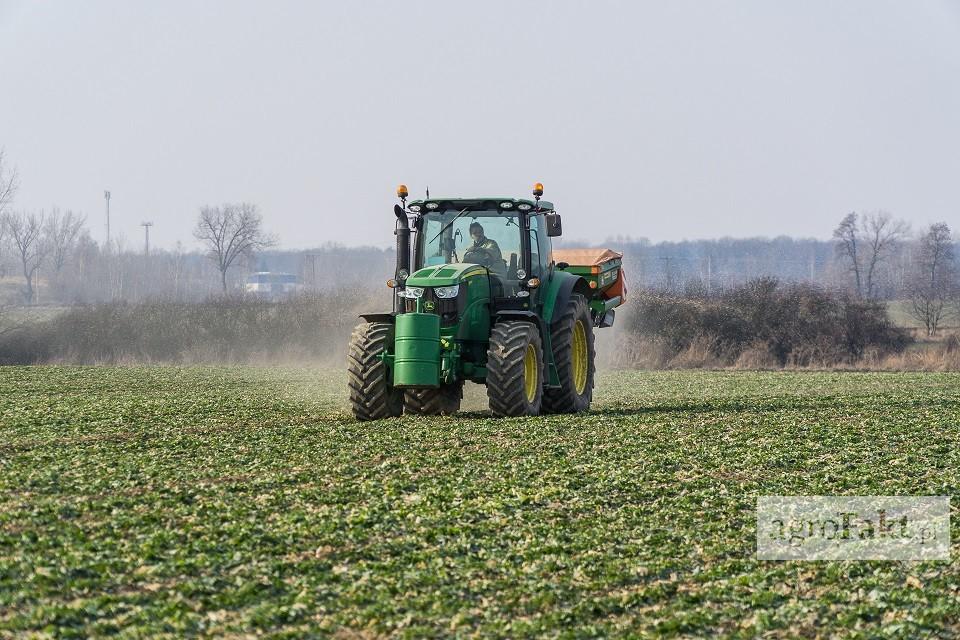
{"type": "Point", "coordinates": [483, 297]}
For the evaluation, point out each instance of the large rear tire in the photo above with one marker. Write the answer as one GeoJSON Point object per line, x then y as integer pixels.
{"type": "Point", "coordinates": [444, 401]}
{"type": "Point", "coordinates": [515, 369]}
{"type": "Point", "coordinates": [371, 395]}
{"type": "Point", "coordinates": [573, 353]}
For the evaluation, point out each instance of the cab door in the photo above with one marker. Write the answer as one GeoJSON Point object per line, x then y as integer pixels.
{"type": "Point", "coordinates": [541, 258]}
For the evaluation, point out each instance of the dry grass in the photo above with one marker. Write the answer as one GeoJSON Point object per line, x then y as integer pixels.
{"type": "Point", "coordinates": [932, 354]}
{"type": "Point", "coordinates": [627, 351]}
{"type": "Point", "coordinates": [756, 357]}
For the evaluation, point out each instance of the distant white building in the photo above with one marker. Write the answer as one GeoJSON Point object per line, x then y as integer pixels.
{"type": "Point", "coordinates": [273, 285]}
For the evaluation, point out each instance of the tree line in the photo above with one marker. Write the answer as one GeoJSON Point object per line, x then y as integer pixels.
{"type": "Point", "coordinates": [36, 243]}
{"type": "Point", "coordinates": [871, 254]}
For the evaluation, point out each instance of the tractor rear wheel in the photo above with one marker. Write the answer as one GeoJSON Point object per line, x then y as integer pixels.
{"type": "Point", "coordinates": [433, 402]}
{"type": "Point", "coordinates": [573, 353]}
{"type": "Point", "coordinates": [515, 369]}
{"type": "Point", "coordinates": [371, 396]}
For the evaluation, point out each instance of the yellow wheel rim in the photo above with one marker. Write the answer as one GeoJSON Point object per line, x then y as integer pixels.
{"type": "Point", "coordinates": [580, 360]}
{"type": "Point", "coordinates": [530, 373]}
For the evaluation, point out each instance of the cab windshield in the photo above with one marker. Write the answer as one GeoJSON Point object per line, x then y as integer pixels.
{"type": "Point", "coordinates": [490, 238]}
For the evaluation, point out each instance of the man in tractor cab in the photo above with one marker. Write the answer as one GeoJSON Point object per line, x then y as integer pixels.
{"type": "Point", "coordinates": [484, 251]}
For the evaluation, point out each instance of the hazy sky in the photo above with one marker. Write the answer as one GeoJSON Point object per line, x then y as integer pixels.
{"type": "Point", "coordinates": [668, 120]}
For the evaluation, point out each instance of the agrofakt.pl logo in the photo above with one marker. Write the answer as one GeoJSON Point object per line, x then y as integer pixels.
{"type": "Point", "coordinates": [853, 528]}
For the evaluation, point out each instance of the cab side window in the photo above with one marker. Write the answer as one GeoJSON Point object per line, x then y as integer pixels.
{"type": "Point", "coordinates": [540, 248]}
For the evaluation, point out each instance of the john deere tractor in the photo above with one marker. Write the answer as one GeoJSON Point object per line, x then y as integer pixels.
{"type": "Point", "coordinates": [480, 295]}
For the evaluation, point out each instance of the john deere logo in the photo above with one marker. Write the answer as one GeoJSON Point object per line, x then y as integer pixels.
{"type": "Point", "coordinates": [429, 305]}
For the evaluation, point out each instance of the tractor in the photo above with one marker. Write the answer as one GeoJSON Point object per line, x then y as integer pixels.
{"type": "Point", "coordinates": [480, 295]}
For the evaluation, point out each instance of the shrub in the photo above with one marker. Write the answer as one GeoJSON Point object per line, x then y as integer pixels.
{"type": "Point", "coordinates": [765, 322]}
{"type": "Point", "coordinates": [228, 329]}
{"type": "Point", "coordinates": [761, 324]}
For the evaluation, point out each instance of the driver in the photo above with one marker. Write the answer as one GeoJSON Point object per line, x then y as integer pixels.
{"type": "Point", "coordinates": [489, 247]}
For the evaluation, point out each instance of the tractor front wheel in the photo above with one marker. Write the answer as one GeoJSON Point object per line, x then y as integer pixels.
{"type": "Point", "coordinates": [371, 395]}
{"type": "Point", "coordinates": [515, 369]}
{"type": "Point", "coordinates": [573, 353]}
{"type": "Point", "coordinates": [433, 402]}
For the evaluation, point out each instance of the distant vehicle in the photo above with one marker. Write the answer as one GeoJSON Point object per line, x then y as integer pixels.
{"type": "Point", "coordinates": [273, 285]}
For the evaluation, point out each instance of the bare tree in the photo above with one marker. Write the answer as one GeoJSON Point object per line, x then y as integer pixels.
{"type": "Point", "coordinates": [932, 283]}
{"type": "Point", "coordinates": [847, 237]}
{"type": "Point", "coordinates": [883, 234]}
{"type": "Point", "coordinates": [3, 245]}
{"type": "Point", "coordinates": [864, 242]}
{"type": "Point", "coordinates": [26, 233]}
{"type": "Point", "coordinates": [9, 183]}
{"type": "Point", "coordinates": [61, 233]}
{"type": "Point", "coordinates": [229, 232]}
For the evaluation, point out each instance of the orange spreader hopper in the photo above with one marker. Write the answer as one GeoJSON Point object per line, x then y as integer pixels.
{"type": "Point", "coordinates": [585, 257]}
{"type": "Point", "coordinates": [603, 269]}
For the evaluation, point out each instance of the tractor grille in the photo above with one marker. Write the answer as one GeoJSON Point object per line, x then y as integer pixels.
{"type": "Point", "coordinates": [449, 309]}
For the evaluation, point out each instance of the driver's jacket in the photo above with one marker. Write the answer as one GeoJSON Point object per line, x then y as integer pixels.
{"type": "Point", "coordinates": [494, 250]}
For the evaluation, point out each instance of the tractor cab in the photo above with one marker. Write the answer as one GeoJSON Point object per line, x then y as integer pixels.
{"type": "Point", "coordinates": [507, 236]}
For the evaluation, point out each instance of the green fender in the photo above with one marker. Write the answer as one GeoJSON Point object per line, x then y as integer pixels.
{"type": "Point", "coordinates": [558, 292]}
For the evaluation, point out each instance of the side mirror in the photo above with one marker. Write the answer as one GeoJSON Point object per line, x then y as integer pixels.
{"type": "Point", "coordinates": [554, 226]}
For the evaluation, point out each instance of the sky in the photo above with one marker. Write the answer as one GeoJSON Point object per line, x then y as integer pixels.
{"type": "Point", "coordinates": [665, 120]}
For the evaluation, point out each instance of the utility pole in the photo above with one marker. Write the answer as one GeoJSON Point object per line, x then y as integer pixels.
{"type": "Point", "coordinates": [709, 274]}
{"type": "Point", "coordinates": [146, 240]}
{"type": "Point", "coordinates": [312, 257]}
{"type": "Point", "coordinates": [106, 196]}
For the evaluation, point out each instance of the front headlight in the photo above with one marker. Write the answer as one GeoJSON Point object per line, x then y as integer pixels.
{"type": "Point", "coordinates": [447, 292]}
{"type": "Point", "coordinates": [410, 292]}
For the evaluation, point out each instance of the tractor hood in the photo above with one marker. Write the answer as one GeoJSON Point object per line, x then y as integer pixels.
{"type": "Point", "coordinates": [444, 275]}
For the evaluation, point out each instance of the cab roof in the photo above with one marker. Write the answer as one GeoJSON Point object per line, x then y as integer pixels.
{"type": "Point", "coordinates": [484, 202]}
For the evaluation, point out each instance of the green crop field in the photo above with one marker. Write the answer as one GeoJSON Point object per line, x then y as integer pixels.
{"type": "Point", "coordinates": [243, 501]}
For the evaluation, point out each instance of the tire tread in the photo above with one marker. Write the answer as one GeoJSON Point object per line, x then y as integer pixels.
{"type": "Point", "coordinates": [565, 399]}
{"type": "Point", "coordinates": [505, 355]}
{"type": "Point", "coordinates": [371, 397]}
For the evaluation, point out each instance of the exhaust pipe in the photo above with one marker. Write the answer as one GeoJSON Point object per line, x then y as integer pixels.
{"type": "Point", "coordinates": [403, 243]}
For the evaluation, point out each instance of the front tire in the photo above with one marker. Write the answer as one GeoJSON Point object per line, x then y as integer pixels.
{"type": "Point", "coordinates": [444, 401]}
{"type": "Point", "coordinates": [573, 353]}
{"type": "Point", "coordinates": [515, 369]}
{"type": "Point", "coordinates": [371, 395]}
